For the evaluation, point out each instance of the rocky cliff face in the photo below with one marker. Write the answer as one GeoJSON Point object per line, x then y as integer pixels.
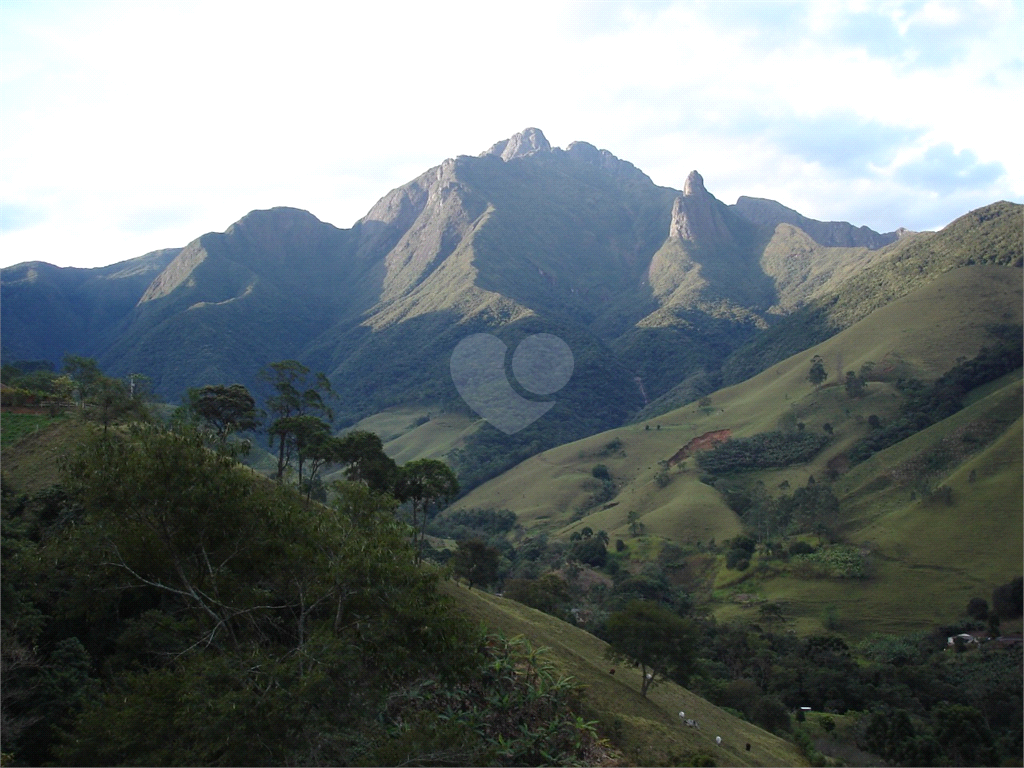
{"type": "Point", "coordinates": [697, 216]}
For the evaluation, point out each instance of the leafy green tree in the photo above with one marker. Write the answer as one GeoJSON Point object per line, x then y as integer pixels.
{"type": "Point", "coordinates": [817, 373]}
{"type": "Point", "coordinates": [592, 551]}
{"type": "Point", "coordinates": [476, 562]}
{"type": "Point", "coordinates": [964, 735]}
{"type": "Point", "coordinates": [224, 409]}
{"type": "Point", "coordinates": [426, 484]}
{"type": "Point", "coordinates": [549, 593]}
{"type": "Point", "coordinates": [102, 398]}
{"type": "Point", "coordinates": [854, 384]}
{"type": "Point", "coordinates": [111, 400]}
{"type": "Point", "coordinates": [238, 626]}
{"type": "Point", "coordinates": [85, 372]}
{"type": "Point", "coordinates": [1008, 599]}
{"type": "Point", "coordinates": [367, 462]}
{"type": "Point", "coordinates": [661, 643]}
{"type": "Point", "coordinates": [307, 438]}
{"type": "Point", "coordinates": [297, 392]}
{"type": "Point", "coordinates": [636, 526]}
{"type": "Point", "coordinates": [771, 614]}
{"type": "Point", "coordinates": [977, 608]}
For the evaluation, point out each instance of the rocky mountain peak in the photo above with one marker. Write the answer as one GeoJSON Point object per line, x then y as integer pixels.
{"type": "Point", "coordinates": [526, 142]}
{"type": "Point", "coordinates": [697, 215]}
{"type": "Point", "coordinates": [694, 185]}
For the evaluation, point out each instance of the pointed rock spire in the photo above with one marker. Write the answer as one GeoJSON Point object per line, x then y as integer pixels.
{"type": "Point", "coordinates": [694, 185]}
{"type": "Point", "coordinates": [697, 215]}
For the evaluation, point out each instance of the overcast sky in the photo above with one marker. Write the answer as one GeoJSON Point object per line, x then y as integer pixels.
{"type": "Point", "coordinates": [131, 126]}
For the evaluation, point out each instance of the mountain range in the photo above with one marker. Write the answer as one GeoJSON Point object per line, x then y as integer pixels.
{"type": "Point", "coordinates": [662, 295]}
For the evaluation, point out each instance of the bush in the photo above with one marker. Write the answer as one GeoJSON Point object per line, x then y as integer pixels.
{"type": "Point", "coordinates": [977, 608]}
{"type": "Point", "coordinates": [1008, 599]}
{"type": "Point", "coordinates": [591, 551]}
{"type": "Point", "coordinates": [800, 548]}
{"type": "Point", "coordinates": [736, 556]}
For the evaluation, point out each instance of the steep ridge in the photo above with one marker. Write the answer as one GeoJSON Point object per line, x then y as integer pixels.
{"type": "Point", "coordinates": [47, 311]}
{"type": "Point", "coordinates": [827, 233]}
{"type": "Point", "coordinates": [232, 301]}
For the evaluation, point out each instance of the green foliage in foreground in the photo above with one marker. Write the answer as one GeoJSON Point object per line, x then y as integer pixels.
{"type": "Point", "coordinates": [167, 607]}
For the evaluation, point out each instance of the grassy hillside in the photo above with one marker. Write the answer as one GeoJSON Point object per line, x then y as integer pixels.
{"type": "Point", "coordinates": [925, 558]}
{"type": "Point", "coordinates": [920, 335]}
{"type": "Point", "coordinates": [31, 456]}
{"type": "Point", "coordinates": [652, 733]}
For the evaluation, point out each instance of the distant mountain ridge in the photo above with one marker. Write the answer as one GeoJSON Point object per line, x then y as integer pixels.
{"type": "Point", "coordinates": [650, 286]}
{"type": "Point", "coordinates": [828, 233]}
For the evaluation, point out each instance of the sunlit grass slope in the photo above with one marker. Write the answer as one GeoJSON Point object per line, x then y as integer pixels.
{"type": "Point", "coordinates": [652, 732]}
{"type": "Point", "coordinates": [412, 433]}
{"type": "Point", "coordinates": [926, 560]}
{"type": "Point", "coordinates": [919, 335]}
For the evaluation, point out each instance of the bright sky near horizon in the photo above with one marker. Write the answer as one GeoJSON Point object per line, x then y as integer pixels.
{"type": "Point", "coordinates": [129, 125]}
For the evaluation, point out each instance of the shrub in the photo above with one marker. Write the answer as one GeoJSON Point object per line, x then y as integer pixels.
{"type": "Point", "coordinates": [800, 548]}
{"type": "Point", "coordinates": [735, 557]}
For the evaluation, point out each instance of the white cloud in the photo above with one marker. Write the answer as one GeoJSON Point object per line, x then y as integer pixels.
{"type": "Point", "coordinates": [133, 126]}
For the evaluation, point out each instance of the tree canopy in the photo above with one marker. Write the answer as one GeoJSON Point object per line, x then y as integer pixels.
{"type": "Point", "coordinates": [661, 643]}
{"type": "Point", "coordinates": [168, 607]}
{"type": "Point", "coordinates": [224, 409]}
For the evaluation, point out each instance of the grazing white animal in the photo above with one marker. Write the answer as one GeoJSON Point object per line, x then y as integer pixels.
{"type": "Point", "coordinates": [682, 715]}
{"type": "Point", "coordinates": [718, 740]}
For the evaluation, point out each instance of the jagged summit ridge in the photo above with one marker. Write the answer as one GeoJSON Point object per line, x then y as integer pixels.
{"type": "Point", "coordinates": [524, 143]}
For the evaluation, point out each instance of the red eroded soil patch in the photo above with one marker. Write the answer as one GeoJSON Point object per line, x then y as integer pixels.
{"type": "Point", "coordinates": [705, 442]}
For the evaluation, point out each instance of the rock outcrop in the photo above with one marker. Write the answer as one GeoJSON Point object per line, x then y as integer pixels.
{"type": "Point", "coordinates": [526, 142]}
{"type": "Point", "coordinates": [697, 215]}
